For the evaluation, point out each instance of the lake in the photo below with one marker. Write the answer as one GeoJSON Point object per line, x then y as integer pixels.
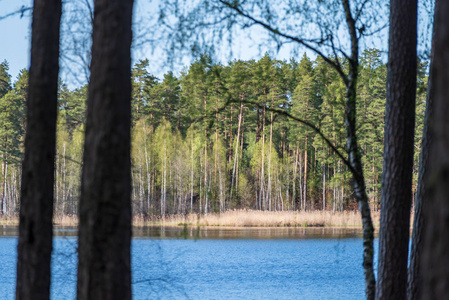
{"type": "Point", "coordinates": [239, 263]}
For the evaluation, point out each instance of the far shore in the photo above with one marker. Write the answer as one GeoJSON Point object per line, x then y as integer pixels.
{"type": "Point", "coordinates": [237, 218]}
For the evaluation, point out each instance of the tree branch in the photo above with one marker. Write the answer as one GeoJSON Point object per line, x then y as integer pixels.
{"type": "Point", "coordinates": [275, 31]}
{"type": "Point", "coordinates": [20, 11]}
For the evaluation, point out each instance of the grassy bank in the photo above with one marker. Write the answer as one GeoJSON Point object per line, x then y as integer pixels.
{"type": "Point", "coordinates": [238, 218]}
{"type": "Point", "coordinates": [9, 220]}
{"type": "Point", "coordinates": [253, 218]}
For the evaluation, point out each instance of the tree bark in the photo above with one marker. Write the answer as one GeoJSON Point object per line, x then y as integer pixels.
{"type": "Point", "coordinates": [415, 279]}
{"type": "Point", "coordinates": [324, 187]}
{"type": "Point", "coordinates": [3, 184]}
{"type": "Point", "coordinates": [398, 152]}
{"type": "Point", "coordinates": [295, 165]}
{"type": "Point", "coordinates": [435, 256]}
{"type": "Point", "coordinates": [305, 174]}
{"type": "Point", "coordinates": [354, 157]}
{"type": "Point", "coordinates": [359, 187]}
{"type": "Point", "coordinates": [236, 153]}
{"type": "Point", "coordinates": [191, 177]}
{"type": "Point", "coordinates": [36, 205]}
{"type": "Point", "coordinates": [104, 269]}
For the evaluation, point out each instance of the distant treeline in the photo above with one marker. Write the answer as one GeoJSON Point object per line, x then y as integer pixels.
{"type": "Point", "coordinates": [219, 137]}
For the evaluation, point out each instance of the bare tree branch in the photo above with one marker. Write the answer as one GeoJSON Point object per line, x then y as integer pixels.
{"type": "Point", "coordinates": [22, 10]}
{"type": "Point", "coordinates": [277, 32]}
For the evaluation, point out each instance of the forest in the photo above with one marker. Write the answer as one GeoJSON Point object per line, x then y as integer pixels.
{"type": "Point", "coordinates": [337, 132]}
{"type": "Point", "coordinates": [220, 137]}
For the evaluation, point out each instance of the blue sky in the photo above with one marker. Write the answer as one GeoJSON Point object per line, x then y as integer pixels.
{"type": "Point", "coordinates": [15, 35]}
{"type": "Point", "coordinates": [15, 32]}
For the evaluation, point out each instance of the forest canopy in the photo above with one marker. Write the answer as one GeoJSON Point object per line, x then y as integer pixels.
{"type": "Point", "coordinates": [213, 139]}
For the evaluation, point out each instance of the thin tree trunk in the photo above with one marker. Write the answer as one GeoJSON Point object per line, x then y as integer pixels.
{"type": "Point", "coordinates": [205, 179]}
{"type": "Point", "coordinates": [3, 184]}
{"type": "Point", "coordinates": [304, 197]}
{"type": "Point", "coordinates": [222, 204]}
{"type": "Point", "coordinates": [164, 185]}
{"type": "Point", "coordinates": [295, 165]}
{"type": "Point", "coordinates": [269, 161]}
{"type": "Point", "coordinates": [324, 187]}
{"type": "Point", "coordinates": [262, 175]}
{"type": "Point", "coordinates": [104, 268]}
{"type": "Point", "coordinates": [148, 175]}
{"type": "Point", "coordinates": [236, 149]}
{"type": "Point", "coordinates": [201, 183]}
{"type": "Point", "coordinates": [354, 157]}
{"type": "Point", "coordinates": [38, 171]}
{"type": "Point", "coordinates": [141, 189]}
{"type": "Point", "coordinates": [191, 181]}
{"type": "Point", "coordinates": [5, 192]}
{"type": "Point", "coordinates": [287, 189]}
{"type": "Point", "coordinates": [300, 181]}
{"type": "Point", "coordinates": [258, 125]}
{"type": "Point", "coordinates": [57, 179]}
{"type": "Point", "coordinates": [241, 152]}
{"type": "Point", "coordinates": [133, 188]}
{"type": "Point", "coordinates": [205, 156]}
{"type": "Point", "coordinates": [63, 180]}
{"type": "Point", "coordinates": [14, 188]}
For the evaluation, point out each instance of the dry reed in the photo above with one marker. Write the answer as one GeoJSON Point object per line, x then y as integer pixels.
{"type": "Point", "coordinates": [236, 218]}
{"type": "Point", "coordinates": [253, 218]}
{"type": "Point", "coordinates": [65, 220]}
{"type": "Point", "coordinates": [9, 220]}
{"type": "Point", "coordinates": [60, 220]}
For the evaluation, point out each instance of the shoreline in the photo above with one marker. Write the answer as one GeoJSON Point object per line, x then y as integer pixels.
{"type": "Point", "coordinates": [236, 219]}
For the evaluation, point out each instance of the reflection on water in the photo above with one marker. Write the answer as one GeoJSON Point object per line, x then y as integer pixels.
{"type": "Point", "coordinates": [216, 263]}
{"type": "Point", "coordinates": [13, 231]}
{"type": "Point", "coordinates": [161, 232]}
{"type": "Point", "coordinates": [246, 233]}
{"type": "Point", "coordinates": [7, 230]}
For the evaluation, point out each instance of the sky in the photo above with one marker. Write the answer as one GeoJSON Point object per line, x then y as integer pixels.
{"type": "Point", "coordinates": [15, 36]}
{"type": "Point", "coordinates": [15, 32]}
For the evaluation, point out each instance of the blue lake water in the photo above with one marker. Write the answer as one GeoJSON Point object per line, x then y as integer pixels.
{"type": "Point", "coordinates": [242, 264]}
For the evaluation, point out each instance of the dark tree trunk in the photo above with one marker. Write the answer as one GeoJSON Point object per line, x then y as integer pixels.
{"type": "Point", "coordinates": [36, 202]}
{"type": "Point", "coordinates": [104, 270]}
{"type": "Point", "coordinates": [415, 279]}
{"type": "Point", "coordinates": [398, 152]}
{"type": "Point", "coordinates": [435, 257]}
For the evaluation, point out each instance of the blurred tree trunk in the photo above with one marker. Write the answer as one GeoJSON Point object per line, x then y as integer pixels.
{"type": "Point", "coordinates": [435, 256]}
{"type": "Point", "coordinates": [36, 203]}
{"type": "Point", "coordinates": [104, 270]}
{"type": "Point", "coordinates": [415, 279]}
{"type": "Point", "coordinates": [398, 151]}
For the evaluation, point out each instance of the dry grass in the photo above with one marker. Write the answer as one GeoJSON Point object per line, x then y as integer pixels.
{"type": "Point", "coordinates": [9, 220]}
{"type": "Point", "coordinates": [252, 218]}
{"type": "Point", "coordinates": [237, 218]}
{"type": "Point", "coordinates": [65, 220]}
{"type": "Point", "coordinates": [61, 220]}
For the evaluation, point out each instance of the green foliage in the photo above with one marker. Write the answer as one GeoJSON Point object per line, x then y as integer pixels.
{"type": "Point", "coordinates": [190, 153]}
{"type": "Point", "coordinates": [11, 129]}
{"type": "Point", "coordinates": [5, 78]}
